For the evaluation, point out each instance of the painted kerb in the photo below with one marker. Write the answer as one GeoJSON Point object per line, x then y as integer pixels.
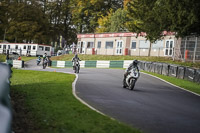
{"type": "Point", "coordinates": [116, 64]}
{"type": "Point", "coordinates": [90, 63]}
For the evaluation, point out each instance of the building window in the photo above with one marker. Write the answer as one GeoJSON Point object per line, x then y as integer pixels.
{"type": "Point", "coordinates": [157, 44]}
{"type": "Point", "coordinates": [47, 48]}
{"type": "Point", "coordinates": [144, 44]}
{"type": "Point", "coordinates": [41, 48]}
{"type": "Point", "coordinates": [169, 48]}
{"type": "Point", "coordinates": [90, 44]}
{"type": "Point", "coordinates": [99, 44]}
{"type": "Point", "coordinates": [24, 46]}
{"type": "Point", "coordinates": [34, 47]}
{"type": "Point", "coordinates": [109, 45]}
{"type": "Point", "coordinates": [133, 45]}
{"type": "Point", "coordinates": [16, 46]}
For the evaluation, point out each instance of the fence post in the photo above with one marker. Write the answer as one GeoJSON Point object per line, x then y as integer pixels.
{"type": "Point", "coordinates": [173, 53]}
{"type": "Point", "coordinates": [195, 49]}
{"type": "Point", "coordinates": [185, 47]}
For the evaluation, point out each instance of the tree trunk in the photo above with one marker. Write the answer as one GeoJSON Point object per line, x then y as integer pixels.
{"type": "Point", "coordinates": [149, 54]}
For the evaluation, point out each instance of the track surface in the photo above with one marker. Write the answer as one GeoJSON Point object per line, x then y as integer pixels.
{"type": "Point", "coordinates": [154, 106]}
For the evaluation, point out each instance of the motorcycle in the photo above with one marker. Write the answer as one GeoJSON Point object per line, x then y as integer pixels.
{"type": "Point", "coordinates": [76, 67]}
{"type": "Point", "coordinates": [45, 62]}
{"type": "Point", "coordinates": [131, 79]}
{"type": "Point", "coordinates": [38, 61]}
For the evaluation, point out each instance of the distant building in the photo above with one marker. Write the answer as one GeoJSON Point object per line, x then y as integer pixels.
{"type": "Point", "coordinates": [125, 44]}
{"type": "Point", "coordinates": [25, 49]}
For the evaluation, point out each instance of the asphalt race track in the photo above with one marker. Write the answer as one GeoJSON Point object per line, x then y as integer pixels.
{"type": "Point", "coordinates": [154, 106]}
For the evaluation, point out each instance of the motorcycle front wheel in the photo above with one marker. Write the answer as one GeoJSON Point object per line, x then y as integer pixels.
{"type": "Point", "coordinates": [132, 83]}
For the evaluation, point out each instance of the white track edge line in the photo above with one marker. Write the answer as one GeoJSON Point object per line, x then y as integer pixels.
{"type": "Point", "coordinates": [171, 84]}
{"type": "Point", "coordinates": [78, 98]}
{"type": "Point", "coordinates": [74, 93]}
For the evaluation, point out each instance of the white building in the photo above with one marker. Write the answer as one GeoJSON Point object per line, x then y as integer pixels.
{"type": "Point", "coordinates": [25, 49]}
{"type": "Point", "coordinates": [125, 44]}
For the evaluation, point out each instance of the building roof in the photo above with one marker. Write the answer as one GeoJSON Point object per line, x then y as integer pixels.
{"type": "Point", "coordinates": [26, 44]}
{"type": "Point", "coordinates": [125, 34]}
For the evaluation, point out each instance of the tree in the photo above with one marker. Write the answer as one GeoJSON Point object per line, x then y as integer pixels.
{"type": "Point", "coordinates": [88, 13]}
{"type": "Point", "coordinates": [113, 22]}
{"type": "Point", "coordinates": [3, 18]}
{"type": "Point", "coordinates": [156, 16]}
{"type": "Point", "coordinates": [27, 23]}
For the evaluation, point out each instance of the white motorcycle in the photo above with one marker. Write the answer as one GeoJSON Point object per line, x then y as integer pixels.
{"type": "Point", "coordinates": [76, 67]}
{"type": "Point", "coordinates": [131, 79]}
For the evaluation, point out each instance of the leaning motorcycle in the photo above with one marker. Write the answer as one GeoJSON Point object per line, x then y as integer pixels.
{"type": "Point", "coordinates": [131, 79]}
{"type": "Point", "coordinates": [45, 62]}
{"type": "Point", "coordinates": [76, 67]}
{"type": "Point", "coordinates": [38, 61]}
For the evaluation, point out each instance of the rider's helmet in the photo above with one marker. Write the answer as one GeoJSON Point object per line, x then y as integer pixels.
{"type": "Point", "coordinates": [135, 62]}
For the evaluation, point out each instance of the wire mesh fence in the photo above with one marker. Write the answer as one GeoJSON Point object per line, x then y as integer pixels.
{"type": "Point", "coordinates": [188, 50]}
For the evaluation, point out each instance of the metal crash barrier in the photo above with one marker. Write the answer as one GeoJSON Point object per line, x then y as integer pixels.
{"type": "Point", "coordinates": [5, 106]}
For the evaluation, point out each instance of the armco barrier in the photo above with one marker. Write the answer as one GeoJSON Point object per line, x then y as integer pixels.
{"type": "Point", "coordinates": [180, 72]}
{"type": "Point", "coordinates": [148, 66]}
{"type": "Point", "coordinates": [156, 67]}
{"type": "Point", "coordinates": [142, 65]}
{"type": "Point", "coordinates": [173, 69]}
{"type": "Point", "coordinates": [189, 74]}
{"type": "Point", "coordinates": [197, 76]}
{"type": "Point", "coordinates": [165, 69]}
{"type": "Point", "coordinates": [5, 107]}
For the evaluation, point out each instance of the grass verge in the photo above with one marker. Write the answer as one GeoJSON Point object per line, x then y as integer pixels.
{"type": "Point", "coordinates": [188, 85]}
{"type": "Point", "coordinates": [2, 58]}
{"type": "Point", "coordinates": [43, 102]}
{"type": "Point", "coordinates": [24, 58]}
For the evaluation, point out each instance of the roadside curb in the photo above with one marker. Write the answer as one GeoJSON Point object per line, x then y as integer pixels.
{"type": "Point", "coordinates": [83, 102]}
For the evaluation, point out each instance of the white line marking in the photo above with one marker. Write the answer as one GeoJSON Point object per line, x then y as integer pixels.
{"type": "Point", "coordinates": [172, 84]}
{"type": "Point", "coordinates": [74, 93]}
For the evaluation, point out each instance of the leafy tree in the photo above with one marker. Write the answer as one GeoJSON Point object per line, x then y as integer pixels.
{"type": "Point", "coordinates": [27, 23]}
{"type": "Point", "coordinates": [113, 22]}
{"type": "Point", "coordinates": [88, 13]}
{"type": "Point", "coordinates": [156, 16]}
{"type": "Point", "coordinates": [3, 18]}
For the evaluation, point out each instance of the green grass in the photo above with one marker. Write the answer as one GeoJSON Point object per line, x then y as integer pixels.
{"type": "Point", "coordinates": [188, 85]}
{"type": "Point", "coordinates": [24, 58]}
{"type": "Point", "coordinates": [44, 103]}
{"type": "Point", "coordinates": [2, 58]}
{"type": "Point", "coordinates": [121, 57]}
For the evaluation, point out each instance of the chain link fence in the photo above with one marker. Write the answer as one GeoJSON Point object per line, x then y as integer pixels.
{"type": "Point", "coordinates": [188, 49]}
